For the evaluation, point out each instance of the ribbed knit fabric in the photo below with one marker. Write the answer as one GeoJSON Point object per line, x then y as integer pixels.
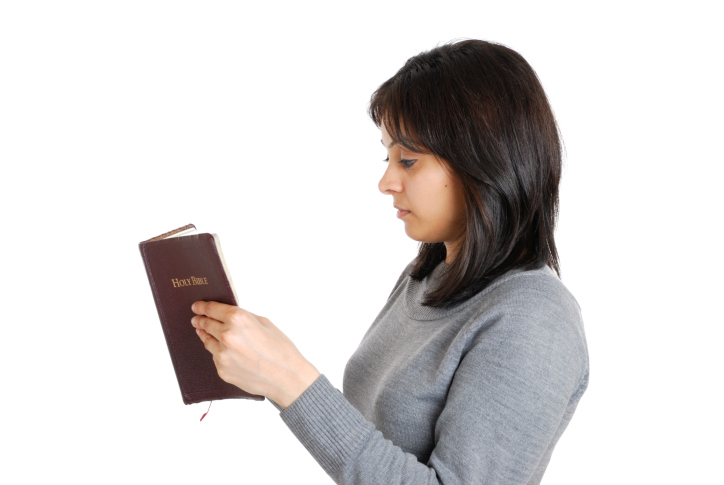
{"type": "Point", "coordinates": [476, 394]}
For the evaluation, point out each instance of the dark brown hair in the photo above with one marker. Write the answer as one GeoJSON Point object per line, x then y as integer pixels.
{"type": "Point", "coordinates": [480, 108]}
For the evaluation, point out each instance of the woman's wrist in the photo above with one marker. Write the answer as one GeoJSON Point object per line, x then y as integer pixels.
{"type": "Point", "coordinates": [298, 382]}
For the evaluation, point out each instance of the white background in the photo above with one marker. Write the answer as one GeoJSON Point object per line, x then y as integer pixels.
{"type": "Point", "coordinates": [122, 120]}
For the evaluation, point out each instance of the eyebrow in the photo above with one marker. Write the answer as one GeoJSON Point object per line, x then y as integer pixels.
{"type": "Point", "coordinates": [388, 146]}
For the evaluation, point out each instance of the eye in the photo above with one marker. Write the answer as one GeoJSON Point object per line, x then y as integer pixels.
{"type": "Point", "coordinates": [406, 163]}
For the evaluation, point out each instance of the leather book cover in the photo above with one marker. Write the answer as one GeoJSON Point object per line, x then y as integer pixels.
{"type": "Point", "coordinates": [182, 270]}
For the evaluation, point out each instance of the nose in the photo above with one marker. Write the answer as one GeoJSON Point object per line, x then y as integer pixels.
{"type": "Point", "coordinates": [390, 181]}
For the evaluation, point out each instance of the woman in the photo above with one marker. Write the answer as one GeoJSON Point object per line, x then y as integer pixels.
{"type": "Point", "coordinates": [475, 365]}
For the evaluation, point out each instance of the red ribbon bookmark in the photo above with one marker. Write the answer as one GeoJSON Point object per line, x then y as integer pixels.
{"type": "Point", "coordinates": [207, 411]}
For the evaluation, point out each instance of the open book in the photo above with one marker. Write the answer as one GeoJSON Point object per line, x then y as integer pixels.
{"type": "Point", "coordinates": [182, 269]}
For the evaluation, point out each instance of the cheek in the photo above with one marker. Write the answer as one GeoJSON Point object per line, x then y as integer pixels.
{"type": "Point", "coordinates": [437, 206]}
{"type": "Point", "coordinates": [452, 204]}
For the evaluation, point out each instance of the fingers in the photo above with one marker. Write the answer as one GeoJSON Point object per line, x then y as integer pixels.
{"type": "Point", "coordinates": [211, 326]}
{"type": "Point", "coordinates": [214, 309]}
{"type": "Point", "coordinates": [211, 344]}
{"type": "Point", "coordinates": [226, 313]}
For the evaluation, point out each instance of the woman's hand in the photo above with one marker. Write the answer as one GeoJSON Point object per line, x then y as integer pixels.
{"type": "Point", "coordinates": [251, 353]}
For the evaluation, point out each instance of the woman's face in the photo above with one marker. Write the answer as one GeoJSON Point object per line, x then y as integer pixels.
{"type": "Point", "coordinates": [425, 186]}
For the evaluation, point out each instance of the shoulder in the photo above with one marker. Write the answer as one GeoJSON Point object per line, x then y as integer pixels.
{"type": "Point", "coordinates": [532, 313]}
{"type": "Point", "coordinates": [536, 292]}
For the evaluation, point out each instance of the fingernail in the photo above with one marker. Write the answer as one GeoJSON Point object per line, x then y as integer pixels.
{"type": "Point", "coordinates": [193, 307]}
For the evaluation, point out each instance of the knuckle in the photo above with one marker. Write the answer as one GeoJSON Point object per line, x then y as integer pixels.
{"type": "Point", "coordinates": [219, 365]}
{"type": "Point", "coordinates": [222, 368]}
{"type": "Point", "coordinates": [222, 373]}
{"type": "Point", "coordinates": [233, 317]}
{"type": "Point", "coordinates": [237, 317]}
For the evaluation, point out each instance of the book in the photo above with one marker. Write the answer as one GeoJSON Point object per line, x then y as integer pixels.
{"type": "Point", "coordinates": [183, 269]}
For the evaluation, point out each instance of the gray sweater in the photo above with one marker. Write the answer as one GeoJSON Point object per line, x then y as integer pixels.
{"type": "Point", "coordinates": [476, 394]}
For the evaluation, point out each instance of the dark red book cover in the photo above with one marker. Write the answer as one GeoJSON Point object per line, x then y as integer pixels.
{"type": "Point", "coordinates": [182, 270]}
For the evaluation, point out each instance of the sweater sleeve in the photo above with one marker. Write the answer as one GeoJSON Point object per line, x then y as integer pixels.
{"type": "Point", "coordinates": [513, 388]}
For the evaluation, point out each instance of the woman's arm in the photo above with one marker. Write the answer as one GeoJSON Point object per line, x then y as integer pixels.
{"type": "Point", "coordinates": [512, 395]}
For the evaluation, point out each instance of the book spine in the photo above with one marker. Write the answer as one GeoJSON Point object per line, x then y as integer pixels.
{"type": "Point", "coordinates": [162, 317]}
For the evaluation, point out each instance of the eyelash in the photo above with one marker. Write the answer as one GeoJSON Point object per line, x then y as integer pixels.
{"type": "Point", "coordinates": [402, 161]}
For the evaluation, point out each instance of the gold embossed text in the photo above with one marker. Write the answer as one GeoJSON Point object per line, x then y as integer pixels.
{"type": "Point", "coordinates": [179, 282]}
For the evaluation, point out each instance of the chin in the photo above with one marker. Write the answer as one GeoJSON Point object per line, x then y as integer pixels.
{"type": "Point", "coordinates": [413, 234]}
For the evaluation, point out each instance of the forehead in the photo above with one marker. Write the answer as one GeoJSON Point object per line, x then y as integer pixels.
{"type": "Point", "coordinates": [386, 139]}
{"type": "Point", "coordinates": [385, 136]}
